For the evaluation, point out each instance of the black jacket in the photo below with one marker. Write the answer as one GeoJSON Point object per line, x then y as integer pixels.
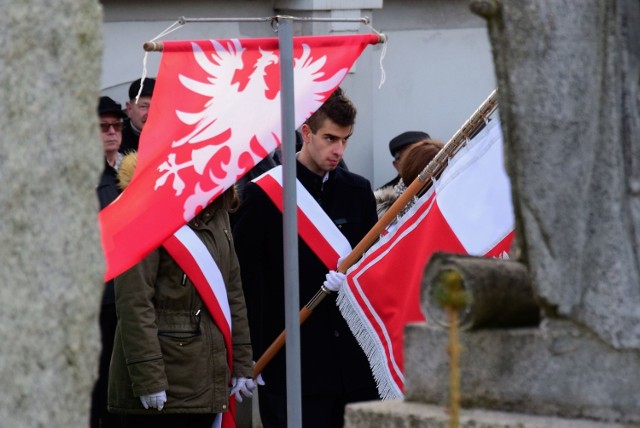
{"type": "Point", "coordinates": [107, 188]}
{"type": "Point", "coordinates": [331, 359]}
{"type": "Point", "coordinates": [108, 191]}
{"type": "Point", "coordinates": [130, 138]}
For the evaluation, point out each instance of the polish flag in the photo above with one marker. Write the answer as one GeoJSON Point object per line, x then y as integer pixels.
{"type": "Point", "coordinates": [468, 210]}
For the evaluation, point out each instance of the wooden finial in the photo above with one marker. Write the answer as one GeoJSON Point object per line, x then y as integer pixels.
{"type": "Point", "coordinates": [153, 46]}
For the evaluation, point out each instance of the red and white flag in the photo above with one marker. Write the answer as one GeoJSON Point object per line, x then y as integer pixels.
{"type": "Point", "coordinates": [467, 211]}
{"type": "Point", "coordinates": [215, 114]}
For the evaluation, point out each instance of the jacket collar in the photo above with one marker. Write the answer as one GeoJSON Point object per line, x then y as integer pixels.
{"type": "Point", "coordinates": [318, 186]}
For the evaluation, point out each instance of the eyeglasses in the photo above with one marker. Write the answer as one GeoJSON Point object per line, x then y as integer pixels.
{"type": "Point", "coordinates": [104, 126]}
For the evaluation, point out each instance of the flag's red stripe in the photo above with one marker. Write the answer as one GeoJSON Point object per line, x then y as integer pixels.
{"type": "Point", "coordinates": [363, 273]}
{"type": "Point", "coordinates": [502, 247]}
{"type": "Point", "coordinates": [431, 234]}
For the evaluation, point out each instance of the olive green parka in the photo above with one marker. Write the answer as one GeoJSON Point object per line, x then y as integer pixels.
{"type": "Point", "coordinates": [166, 338]}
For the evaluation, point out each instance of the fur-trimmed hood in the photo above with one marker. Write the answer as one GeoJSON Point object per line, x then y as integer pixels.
{"type": "Point", "coordinates": [385, 197]}
{"type": "Point", "coordinates": [127, 167]}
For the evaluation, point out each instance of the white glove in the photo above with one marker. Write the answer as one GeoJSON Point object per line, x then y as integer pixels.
{"type": "Point", "coordinates": [242, 386]}
{"type": "Point", "coordinates": [155, 400]}
{"type": "Point", "coordinates": [259, 380]}
{"type": "Point", "coordinates": [334, 280]}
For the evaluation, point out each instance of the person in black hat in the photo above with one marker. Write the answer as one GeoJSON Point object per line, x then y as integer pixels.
{"type": "Point", "coordinates": [110, 119]}
{"type": "Point", "coordinates": [137, 112]}
{"type": "Point", "coordinates": [399, 145]}
{"type": "Point", "coordinates": [110, 116]}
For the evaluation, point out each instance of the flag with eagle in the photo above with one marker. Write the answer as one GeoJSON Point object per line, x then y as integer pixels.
{"type": "Point", "coordinates": [215, 114]}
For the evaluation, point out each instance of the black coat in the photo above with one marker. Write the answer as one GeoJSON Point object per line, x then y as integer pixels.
{"type": "Point", "coordinates": [130, 138]}
{"type": "Point", "coordinates": [108, 191]}
{"type": "Point", "coordinates": [332, 361]}
{"type": "Point", "coordinates": [107, 188]}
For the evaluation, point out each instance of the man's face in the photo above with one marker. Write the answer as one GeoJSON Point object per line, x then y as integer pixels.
{"type": "Point", "coordinates": [111, 133]}
{"type": "Point", "coordinates": [138, 112]}
{"type": "Point", "coordinates": [322, 150]}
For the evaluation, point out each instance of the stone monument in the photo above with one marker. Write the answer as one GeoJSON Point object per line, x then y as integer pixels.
{"type": "Point", "coordinates": [569, 97]}
{"type": "Point", "coordinates": [50, 160]}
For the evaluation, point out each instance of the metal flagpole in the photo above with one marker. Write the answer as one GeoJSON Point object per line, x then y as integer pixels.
{"type": "Point", "coordinates": [290, 223]}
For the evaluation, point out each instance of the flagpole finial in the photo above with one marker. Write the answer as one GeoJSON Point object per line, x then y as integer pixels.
{"type": "Point", "coordinates": [153, 46]}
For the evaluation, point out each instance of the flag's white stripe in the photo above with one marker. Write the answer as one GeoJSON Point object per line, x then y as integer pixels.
{"type": "Point", "coordinates": [207, 265]}
{"type": "Point", "coordinates": [474, 192]}
{"type": "Point", "coordinates": [316, 214]}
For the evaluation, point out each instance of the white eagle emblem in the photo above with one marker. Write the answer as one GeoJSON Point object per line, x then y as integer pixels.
{"type": "Point", "coordinates": [238, 126]}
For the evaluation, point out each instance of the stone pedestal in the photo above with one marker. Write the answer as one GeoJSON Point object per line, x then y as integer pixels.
{"type": "Point", "coordinates": [403, 414]}
{"type": "Point", "coordinates": [559, 369]}
{"type": "Point", "coordinates": [519, 378]}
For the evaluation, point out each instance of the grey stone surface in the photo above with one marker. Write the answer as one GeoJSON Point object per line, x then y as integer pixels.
{"type": "Point", "coordinates": [401, 414]}
{"type": "Point", "coordinates": [50, 159]}
{"type": "Point", "coordinates": [559, 369]}
{"type": "Point", "coordinates": [570, 108]}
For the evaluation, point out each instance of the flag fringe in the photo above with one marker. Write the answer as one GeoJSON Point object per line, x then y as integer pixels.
{"type": "Point", "coordinates": [361, 330]}
{"type": "Point", "coordinates": [359, 324]}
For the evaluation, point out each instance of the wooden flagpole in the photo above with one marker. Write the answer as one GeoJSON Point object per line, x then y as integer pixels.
{"type": "Point", "coordinates": [433, 170]}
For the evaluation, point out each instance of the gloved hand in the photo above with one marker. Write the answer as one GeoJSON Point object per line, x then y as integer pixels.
{"type": "Point", "coordinates": [334, 280]}
{"type": "Point", "coordinates": [155, 400]}
{"type": "Point", "coordinates": [259, 380]}
{"type": "Point", "coordinates": [242, 386]}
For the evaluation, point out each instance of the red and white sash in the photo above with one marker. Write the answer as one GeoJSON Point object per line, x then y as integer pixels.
{"type": "Point", "coordinates": [186, 248]}
{"type": "Point", "coordinates": [315, 227]}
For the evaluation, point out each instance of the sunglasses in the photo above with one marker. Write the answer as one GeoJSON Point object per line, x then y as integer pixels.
{"type": "Point", "coordinates": [117, 126]}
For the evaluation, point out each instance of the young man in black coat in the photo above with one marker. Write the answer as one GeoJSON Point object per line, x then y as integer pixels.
{"type": "Point", "coordinates": [335, 370]}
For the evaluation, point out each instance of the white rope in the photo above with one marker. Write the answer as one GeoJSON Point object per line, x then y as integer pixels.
{"type": "Point", "coordinates": [383, 75]}
{"type": "Point", "coordinates": [170, 29]}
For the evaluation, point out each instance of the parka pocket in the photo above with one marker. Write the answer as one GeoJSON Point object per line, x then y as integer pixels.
{"type": "Point", "coordinates": [184, 354]}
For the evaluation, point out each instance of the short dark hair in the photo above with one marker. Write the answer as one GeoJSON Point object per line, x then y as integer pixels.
{"type": "Point", "coordinates": [338, 108]}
